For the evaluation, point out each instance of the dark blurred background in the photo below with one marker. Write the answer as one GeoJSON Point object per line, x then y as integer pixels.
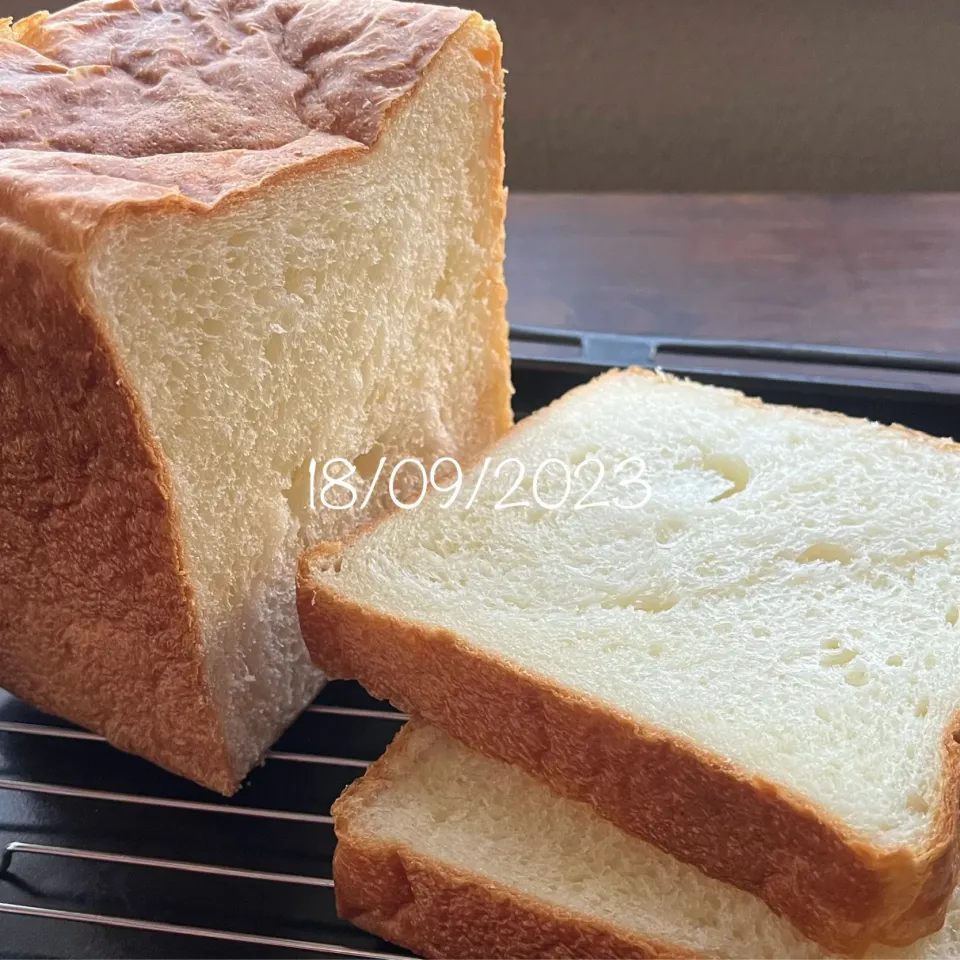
{"type": "Point", "coordinates": [728, 95]}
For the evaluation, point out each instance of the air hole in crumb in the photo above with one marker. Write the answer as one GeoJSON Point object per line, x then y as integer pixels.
{"type": "Point", "coordinates": [241, 238]}
{"type": "Point", "coordinates": [956, 736]}
{"type": "Point", "coordinates": [295, 281]}
{"type": "Point", "coordinates": [297, 229]}
{"type": "Point", "coordinates": [297, 494]}
{"type": "Point", "coordinates": [895, 660]}
{"type": "Point", "coordinates": [953, 615]}
{"type": "Point", "coordinates": [831, 643]}
{"type": "Point", "coordinates": [377, 271]}
{"type": "Point", "coordinates": [188, 409]}
{"type": "Point", "coordinates": [483, 56]}
{"type": "Point", "coordinates": [368, 462]}
{"type": "Point", "coordinates": [732, 468]}
{"type": "Point", "coordinates": [657, 603]}
{"type": "Point", "coordinates": [826, 552]}
{"type": "Point", "coordinates": [923, 707]}
{"type": "Point", "coordinates": [652, 603]}
{"type": "Point", "coordinates": [656, 649]}
{"type": "Point", "coordinates": [612, 646]}
{"type": "Point", "coordinates": [917, 804]}
{"type": "Point", "coordinates": [670, 530]}
{"type": "Point", "coordinates": [857, 676]}
{"type": "Point", "coordinates": [822, 713]}
{"type": "Point", "coordinates": [273, 349]}
{"type": "Point", "coordinates": [930, 661]}
{"type": "Point", "coordinates": [837, 658]}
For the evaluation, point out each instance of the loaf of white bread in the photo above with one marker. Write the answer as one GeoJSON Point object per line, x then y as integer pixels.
{"type": "Point", "coordinates": [740, 647]}
{"type": "Point", "coordinates": [234, 237]}
{"type": "Point", "coordinates": [453, 854]}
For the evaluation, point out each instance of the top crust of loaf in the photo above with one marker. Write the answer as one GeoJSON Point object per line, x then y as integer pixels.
{"type": "Point", "coordinates": [185, 103]}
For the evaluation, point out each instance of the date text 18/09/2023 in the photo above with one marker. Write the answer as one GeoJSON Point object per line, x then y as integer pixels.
{"type": "Point", "coordinates": [552, 484]}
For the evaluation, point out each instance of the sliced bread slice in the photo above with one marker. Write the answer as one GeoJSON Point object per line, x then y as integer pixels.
{"type": "Point", "coordinates": [234, 239]}
{"type": "Point", "coordinates": [452, 854]}
{"type": "Point", "coordinates": [756, 670]}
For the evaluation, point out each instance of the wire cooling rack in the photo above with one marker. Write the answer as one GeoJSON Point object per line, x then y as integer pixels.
{"type": "Point", "coordinates": [104, 855]}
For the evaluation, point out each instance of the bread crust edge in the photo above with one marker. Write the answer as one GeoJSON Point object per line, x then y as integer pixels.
{"type": "Point", "coordinates": [836, 888]}
{"type": "Point", "coordinates": [54, 663]}
{"type": "Point", "coordinates": [438, 910]}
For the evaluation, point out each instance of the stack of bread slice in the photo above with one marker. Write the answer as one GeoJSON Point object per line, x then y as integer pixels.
{"type": "Point", "coordinates": [705, 705]}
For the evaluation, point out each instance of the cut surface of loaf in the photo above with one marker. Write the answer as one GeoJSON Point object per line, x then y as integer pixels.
{"type": "Point", "coordinates": [755, 670]}
{"type": "Point", "coordinates": [235, 239]}
{"type": "Point", "coordinates": [453, 854]}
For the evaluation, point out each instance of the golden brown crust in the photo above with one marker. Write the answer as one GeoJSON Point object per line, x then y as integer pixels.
{"type": "Point", "coordinates": [501, 388]}
{"type": "Point", "coordinates": [437, 910]}
{"type": "Point", "coordinates": [836, 888]}
{"type": "Point", "coordinates": [174, 117]}
{"type": "Point", "coordinates": [108, 110]}
{"type": "Point", "coordinates": [204, 97]}
{"type": "Point", "coordinates": [97, 617]}
{"type": "Point", "coordinates": [141, 78]}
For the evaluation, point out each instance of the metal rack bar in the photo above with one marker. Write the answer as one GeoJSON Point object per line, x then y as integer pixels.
{"type": "Point", "coordinates": [65, 733]}
{"type": "Point", "coordinates": [51, 730]}
{"type": "Point", "coordinates": [359, 712]}
{"type": "Point", "coordinates": [152, 926]}
{"type": "Point", "coordinates": [318, 758]}
{"type": "Point", "coordinates": [134, 798]}
{"type": "Point", "coordinates": [73, 853]}
{"type": "Point", "coordinates": [17, 847]}
{"type": "Point", "coordinates": [45, 730]}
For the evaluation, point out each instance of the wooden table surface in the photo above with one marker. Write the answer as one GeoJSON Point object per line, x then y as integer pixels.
{"type": "Point", "coordinates": [854, 271]}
